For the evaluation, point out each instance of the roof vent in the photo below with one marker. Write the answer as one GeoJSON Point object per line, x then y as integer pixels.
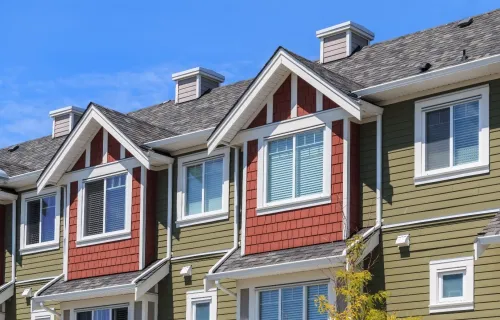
{"type": "Point", "coordinates": [193, 83]}
{"type": "Point", "coordinates": [424, 66]}
{"type": "Point", "coordinates": [3, 175]}
{"type": "Point", "coordinates": [64, 120]}
{"type": "Point", "coordinates": [465, 22]}
{"type": "Point", "coordinates": [342, 40]}
{"type": "Point", "coordinates": [13, 148]}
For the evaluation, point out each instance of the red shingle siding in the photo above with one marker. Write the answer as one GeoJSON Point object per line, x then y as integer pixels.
{"type": "Point", "coordinates": [107, 258]}
{"type": "Point", "coordinates": [2, 244]}
{"type": "Point", "coordinates": [282, 100]}
{"type": "Point", "coordinates": [151, 217]}
{"type": "Point", "coordinates": [80, 163]}
{"type": "Point", "coordinates": [113, 149]}
{"type": "Point", "coordinates": [96, 149]}
{"type": "Point", "coordinates": [306, 98]}
{"type": "Point", "coordinates": [260, 119]}
{"type": "Point", "coordinates": [294, 228]}
{"type": "Point", "coordinates": [328, 104]}
{"type": "Point", "coordinates": [355, 215]}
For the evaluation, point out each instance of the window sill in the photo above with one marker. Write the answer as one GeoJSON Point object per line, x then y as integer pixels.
{"type": "Point", "coordinates": [452, 174]}
{"type": "Point", "coordinates": [202, 218]}
{"type": "Point", "coordinates": [451, 307]}
{"type": "Point", "coordinates": [103, 238]}
{"type": "Point", "coordinates": [294, 204]}
{"type": "Point", "coordinates": [39, 248]}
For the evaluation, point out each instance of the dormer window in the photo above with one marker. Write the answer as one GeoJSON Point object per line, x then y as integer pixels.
{"type": "Point", "coordinates": [40, 221]}
{"type": "Point", "coordinates": [106, 209]}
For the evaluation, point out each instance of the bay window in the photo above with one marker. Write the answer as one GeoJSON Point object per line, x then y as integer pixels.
{"type": "Point", "coordinates": [40, 221]}
{"type": "Point", "coordinates": [452, 135]}
{"type": "Point", "coordinates": [203, 184]}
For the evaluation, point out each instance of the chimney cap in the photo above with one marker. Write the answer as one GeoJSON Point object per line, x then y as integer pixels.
{"type": "Point", "coordinates": [198, 71]}
{"type": "Point", "coordinates": [65, 110]}
{"type": "Point", "coordinates": [348, 25]}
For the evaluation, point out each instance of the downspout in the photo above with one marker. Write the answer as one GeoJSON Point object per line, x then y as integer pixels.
{"type": "Point", "coordinates": [169, 211]}
{"type": "Point", "coordinates": [49, 310]}
{"type": "Point", "coordinates": [378, 223]}
{"type": "Point", "coordinates": [14, 229]}
{"type": "Point", "coordinates": [236, 223]}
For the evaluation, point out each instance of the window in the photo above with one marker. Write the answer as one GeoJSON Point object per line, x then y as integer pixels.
{"type": "Point", "coordinates": [201, 305]}
{"type": "Point", "coordinates": [106, 209]}
{"type": "Point", "coordinates": [451, 285]}
{"type": "Point", "coordinates": [203, 187]}
{"type": "Point", "coordinates": [452, 136]}
{"type": "Point", "coordinates": [40, 221]}
{"type": "Point", "coordinates": [292, 303]}
{"type": "Point", "coordinates": [119, 313]}
{"type": "Point", "coordinates": [295, 169]}
{"type": "Point", "coordinates": [40, 315]}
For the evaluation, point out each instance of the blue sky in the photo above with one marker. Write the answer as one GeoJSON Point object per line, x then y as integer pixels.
{"type": "Point", "coordinates": [122, 53]}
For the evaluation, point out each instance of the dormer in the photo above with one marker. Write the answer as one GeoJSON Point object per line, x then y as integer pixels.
{"type": "Point", "coordinates": [193, 83]}
{"type": "Point", "coordinates": [64, 119]}
{"type": "Point", "coordinates": [341, 40]}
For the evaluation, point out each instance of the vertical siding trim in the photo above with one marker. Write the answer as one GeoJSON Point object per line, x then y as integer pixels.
{"type": "Point", "coordinates": [321, 50]}
{"type": "Point", "coordinates": [142, 210]}
{"type": "Point", "coordinates": [379, 170]}
{"type": "Point", "coordinates": [104, 146]}
{"type": "Point", "coordinates": [293, 99]}
{"type": "Point", "coordinates": [236, 204]}
{"type": "Point", "coordinates": [244, 199]}
{"type": "Point", "coordinates": [169, 210]}
{"type": "Point", "coordinates": [14, 237]}
{"type": "Point", "coordinates": [87, 156]}
{"type": "Point", "coordinates": [348, 44]}
{"type": "Point", "coordinates": [319, 101]}
{"type": "Point", "coordinates": [269, 118]}
{"type": "Point", "coordinates": [66, 230]}
{"type": "Point", "coordinates": [346, 180]}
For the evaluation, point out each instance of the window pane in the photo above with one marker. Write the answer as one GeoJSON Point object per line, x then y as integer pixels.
{"type": "Point", "coordinates": [312, 293]}
{"type": "Point", "coordinates": [33, 222]}
{"type": "Point", "coordinates": [213, 185]}
{"type": "Point", "coordinates": [120, 314]}
{"type": "Point", "coordinates": [115, 203]}
{"type": "Point", "coordinates": [103, 314]}
{"type": "Point", "coordinates": [437, 139]}
{"type": "Point", "coordinates": [280, 171]}
{"type": "Point", "coordinates": [87, 315]}
{"type": "Point", "coordinates": [453, 285]}
{"type": "Point", "coordinates": [194, 189]}
{"type": "Point", "coordinates": [309, 163]}
{"type": "Point", "coordinates": [292, 303]}
{"type": "Point", "coordinates": [466, 133]}
{"type": "Point", "coordinates": [268, 305]}
{"type": "Point", "coordinates": [94, 222]}
{"type": "Point", "coordinates": [202, 311]}
{"type": "Point", "coordinates": [48, 218]}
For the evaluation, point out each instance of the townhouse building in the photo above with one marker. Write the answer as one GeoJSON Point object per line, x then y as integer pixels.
{"type": "Point", "coordinates": [236, 201]}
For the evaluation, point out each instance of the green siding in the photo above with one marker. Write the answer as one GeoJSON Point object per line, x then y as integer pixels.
{"type": "Point", "coordinates": [403, 201]}
{"type": "Point", "coordinates": [172, 290]}
{"type": "Point", "coordinates": [162, 212]}
{"type": "Point", "coordinates": [407, 273]}
{"type": "Point", "coordinates": [368, 173]}
{"type": "Point", "coordinates": [19, 307]}
{"type": "Point", "coordinates": [35, 265]}
{"type": "Point", "coordinates": [205, 237]}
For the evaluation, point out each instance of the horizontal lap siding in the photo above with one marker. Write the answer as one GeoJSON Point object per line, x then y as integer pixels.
{"type": "Point", "coordinates": [300, 227]}
{"type": "Point", "coordinates": [162, 212]}
{"type": "Point", "coordinates": [334, 47]}
{"type": "Point", "coordinates": [368, 179]}
{"type": "Point", "coordinates": [172, 290]}
{"type": "Point", "coordinates": [403, 201]}
{"type": "Point", "coordinates": [61, 125]}
{"type": "Point", "coordinates": [186, 89]}
{"type": "Point", "coordinates": [452, 239]}
{"type": "Point", "coordinates": [19, 307]}
{"type": "Point", "coordinates": [207, 237]}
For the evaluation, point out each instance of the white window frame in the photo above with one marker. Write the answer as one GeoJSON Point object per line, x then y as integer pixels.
{"type": "Point", "coordinates": [39, 315]}
{"type": "Point", "coordinates": [423, 176]}
{"type": "Point", "coordinates": [83, 240]}
{"type": "Point", "coordinates": [437, 269]}
{"type": "Point", "coordinates": [42, 246]}
{"type": "Point", "coordinates": [264, 207]}
{"type": "Point", "coordinates": [304, 285]}
{"type": "Point", "coordinates": [108, 307]}
{"type": "Point", "coordinates": [194, 159]}
{"type": "Point", "coordinates": [200, 296]}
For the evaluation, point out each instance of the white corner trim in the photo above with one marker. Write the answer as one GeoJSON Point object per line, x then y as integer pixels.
{"type": "Point", "coordinates": [143, 217]}
{"type": "Point", "coordinates": [270, 108]}
{"type": "Point", "coordinates": [67, 190]}
{"type": "Point", "coordinates": [319, 101]}
{"type": "Point", "coordinates": [244, 198]}
{"type": "Point", "coordinates": [24, 248]}
{"type": "Point", "coordinates": [104, 146]}
{"type": "Point", "coordinates": [422, 176]}
{"type": "Point", "coordinates": [293, 100]}
{"type": "Point", "coordinates": [348, 39]}
{"type": "Point", "coordinates": [205, 217]}
{"type": "Point", "coordinates": [346, 179]}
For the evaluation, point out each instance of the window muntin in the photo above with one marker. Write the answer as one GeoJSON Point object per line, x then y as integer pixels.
{"type": "Point", "coordinates": [295, 166]}
{"type": "Point", "coordinates": [290, 303]}
{"type": "Point", "coordinates": [204, 187]}
{"type": "Point", "coordinates": [105, 205]}
{"type": "Point", "coordinates": [103, 314]}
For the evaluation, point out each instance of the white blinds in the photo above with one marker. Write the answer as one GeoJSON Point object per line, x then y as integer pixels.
{"type": "Point", "coordinates": [48, 218]}
{"type": "Point", "coordinates": [280, 169]}
{"type": "Point", "coordinates": [204, 184]}
{"type": "Point", "coordinates": [312, 293]}
{"type": "Point", "coordinates": [309, 163]}
{"type": "Point", "coordinates": [213, 185]}
{"type": "Point", "coordinates": [292, 303]}
{"type": "Point", "coordinates": [269, 305]}
{"type": "Point", "coordinates": [115, 203]}
{"type": "Point", "coordinates": [466, 133]}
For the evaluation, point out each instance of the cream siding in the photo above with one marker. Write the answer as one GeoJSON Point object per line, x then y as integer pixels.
{"type": "Point", "coordinates": [162, 212]}
{"type": "Point", "coordinates": [186, 89]}
{"type": "Point", "coordinates": [207, 84]}
{"type": "Point", "coordinates": [334, 47]}
{"type": "Point", "coordinates": [61, 125]}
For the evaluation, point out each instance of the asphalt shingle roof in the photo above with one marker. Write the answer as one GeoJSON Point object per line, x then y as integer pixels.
{"type": "Point", "coordinates": [237, 262]}
{"type": "Point", "coordinates": [30, 155]}
{"type": "Point", "coordinates": [441, 46]}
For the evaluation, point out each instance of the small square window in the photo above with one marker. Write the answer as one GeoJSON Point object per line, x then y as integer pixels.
{"type": "Point", "coordinates": [452, 135]}
{"type": "Point", "coordinates": [451, 285]}
{"type": "Point", "coordinates": [201, 305]}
